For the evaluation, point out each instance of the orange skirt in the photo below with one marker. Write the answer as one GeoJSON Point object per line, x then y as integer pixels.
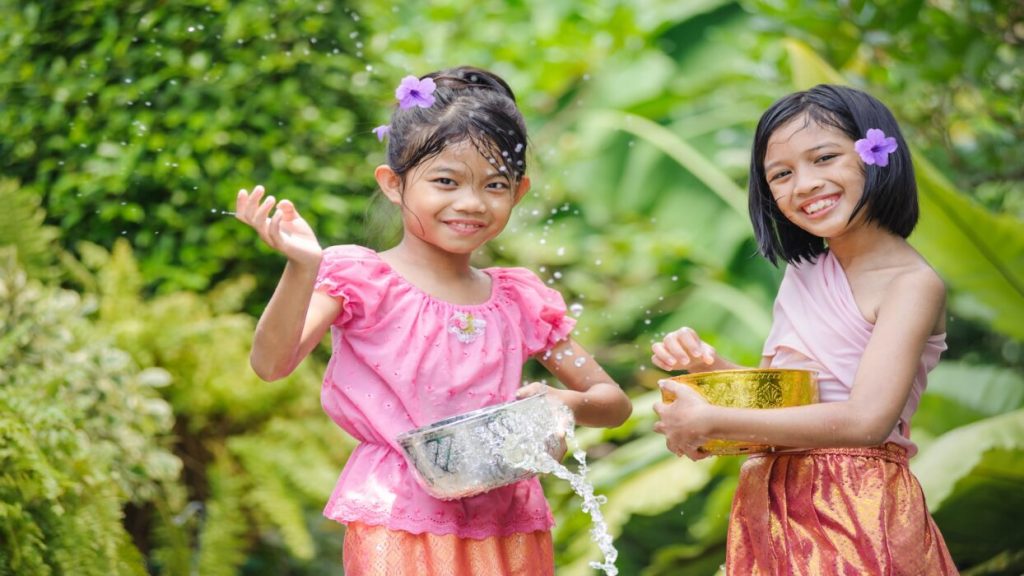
{"type": "Point", "coordinates": [377, 551]}
{"type": "Point", "coordinates": [833, 511]}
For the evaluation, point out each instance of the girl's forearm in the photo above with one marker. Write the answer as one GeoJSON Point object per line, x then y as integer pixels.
{"type": "Point", "coordinates": [829, 424]}
{"type": "Point", "coordinates": [278, 337]}
{"type": "Point", "coordinates": [602, 405]}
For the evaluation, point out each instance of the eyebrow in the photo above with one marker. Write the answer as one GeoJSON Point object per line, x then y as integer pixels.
{"type": "Point", "coordinates": [811, 149]}
{"type": "Point", "coordinates": [446, 169]}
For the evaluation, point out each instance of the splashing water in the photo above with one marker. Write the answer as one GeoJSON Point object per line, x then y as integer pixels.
{"type": "Point", "coordinates": [492, 447]}
{"type": "Point", "coordinates": [525, 451]}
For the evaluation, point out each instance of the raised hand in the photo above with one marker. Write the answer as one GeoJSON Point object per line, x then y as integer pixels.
{"type": "Point", "coordinates": [684, 350]}
{"type": "Point", "coordinates": [285, 231]}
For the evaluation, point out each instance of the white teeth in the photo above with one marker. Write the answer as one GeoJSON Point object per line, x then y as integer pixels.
{"type": "Point", "coordinates": [819, 205]}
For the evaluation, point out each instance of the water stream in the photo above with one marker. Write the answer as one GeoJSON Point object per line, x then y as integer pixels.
{"type": "Point", "coordinates": [533, 455]}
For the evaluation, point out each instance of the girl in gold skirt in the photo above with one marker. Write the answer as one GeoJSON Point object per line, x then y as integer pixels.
{"type": "Point", "coordinates": [832, 193]}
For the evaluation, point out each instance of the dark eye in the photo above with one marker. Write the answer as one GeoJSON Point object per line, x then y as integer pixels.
{"type": "Point", "coordinates": [826, 157]}
{"type": "Point", "coordinates": [442, 181]}
{"type": "Point", "coordinates": [498, 185]}
{"type": "Point", "coordinates": [778, 175]}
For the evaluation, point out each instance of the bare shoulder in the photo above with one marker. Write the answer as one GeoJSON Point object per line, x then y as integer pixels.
{"type": "Point", "coordinates": [917, 289]}
{"type": "Point", "coordinates": [919, 279]}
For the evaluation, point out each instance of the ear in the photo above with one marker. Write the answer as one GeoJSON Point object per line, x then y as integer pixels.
{"type": "Point", "coordinates": [522, 189]}
{"type": "Point", "coordinates": [390, 183]}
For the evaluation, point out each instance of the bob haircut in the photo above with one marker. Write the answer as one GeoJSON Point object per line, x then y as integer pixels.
{"type": "Point", "coordinates": [890, 192]}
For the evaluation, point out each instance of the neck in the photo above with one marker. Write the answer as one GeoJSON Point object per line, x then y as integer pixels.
{"type": "Point", "coordinates": [868, 242]}
{"type": "Point", "coordinates": [421, 255]}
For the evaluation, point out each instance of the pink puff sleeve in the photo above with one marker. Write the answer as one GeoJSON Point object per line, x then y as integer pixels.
{"type": "Point", "coordinates": [541, 310]}
{"type": "Point", "coordinates": [348, 273]}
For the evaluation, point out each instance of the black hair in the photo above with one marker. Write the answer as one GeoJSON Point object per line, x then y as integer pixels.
{"type": "Point", "coordinates": [470, 104]}
{"type": "Point", "coordinates": [890, 192]}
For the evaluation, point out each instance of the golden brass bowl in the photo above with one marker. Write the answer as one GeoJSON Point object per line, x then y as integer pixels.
{"type": "Point", "coordinates": [749, 388]}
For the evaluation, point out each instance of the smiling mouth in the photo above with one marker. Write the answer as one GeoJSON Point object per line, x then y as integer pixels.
{"type": "Point", "coordinates": [464, 227]}
{"type": "Point", "coordinates": [819, 205]}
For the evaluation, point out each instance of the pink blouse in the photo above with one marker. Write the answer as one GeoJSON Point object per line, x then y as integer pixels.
{"type": "Point", "coordinates": [817, 326]}
{"type": "Point", "coordinates": [402, 359]}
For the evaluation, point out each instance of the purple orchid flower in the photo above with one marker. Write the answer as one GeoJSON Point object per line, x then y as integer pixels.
{"type": "Point", "coordinates": [415, 92]}
{"type": "Point", "coordinates": [382, 131]}
{"type": "Point", "coordinates": [875, 149]}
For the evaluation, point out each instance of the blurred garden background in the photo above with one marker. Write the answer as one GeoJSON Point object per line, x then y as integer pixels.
{"type": "Point", "coordinates": [134, 439]}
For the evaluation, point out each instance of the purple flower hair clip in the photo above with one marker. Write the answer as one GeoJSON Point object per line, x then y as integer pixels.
{"type": "Point", "coordinates": [415, 92]}
{"type": "Point", "coordinates": [382, 131]}
{"type": "Point", "coordinates": [875, 149]}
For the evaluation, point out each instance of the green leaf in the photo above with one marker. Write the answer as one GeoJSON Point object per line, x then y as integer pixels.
{"type": "Point", "coordinates": [972, 479]}
{"type": "Point", "coordinates": [808, 68]}
{"type": "Point", "coordinates": [679, 150]}
{"type": "Point", "coordinates": [991, 390]}
{"type": "Point", "coordinates": [977, 252]}
{"type": "Point", "coordinates": [992, 447]}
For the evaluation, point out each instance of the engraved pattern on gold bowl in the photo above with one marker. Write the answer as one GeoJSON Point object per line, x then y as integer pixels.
{"type": "Point", "coordinates": [762, 388]}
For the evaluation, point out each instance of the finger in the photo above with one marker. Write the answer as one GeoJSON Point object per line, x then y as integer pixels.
{"type": "Point", "coordinates": [675, 348]}
{"type": "Point", "coordinates": [670, 447]}
{"type": "Point", "coordinates": [659, 427]}
{"type": "Point", "coordinates": [528, 390]}
{"type": "Point", "coordinates": [241, 203]}
{"type": "Point", "coordinates": [253, 203]}
{"type": "Point", "coordinates": [263, 212]}
{"type": "Point", "coordinates": [709, 354]}
{"type": "Point", "coordinates": [289, 210]}
{"type": "Point", "coordinates": [661, 357]}
{"type": "Point", "coordinates": [671, 386]}
{"type": "Point", "coordinates": [274, 229]}
{"type": "Point", "coordinates": [690, 342]}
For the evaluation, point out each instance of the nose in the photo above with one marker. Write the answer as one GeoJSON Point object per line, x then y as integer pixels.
{"type": "Point", "coordinates": [807, 182]}
{"type": "Point", "coordinates": [469, 199]}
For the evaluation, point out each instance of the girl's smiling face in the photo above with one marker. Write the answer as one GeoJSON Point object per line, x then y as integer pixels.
{"type": "Point", "coordinates": [815, 176]}
{"type": "Point", "coordinates": [457, 200]}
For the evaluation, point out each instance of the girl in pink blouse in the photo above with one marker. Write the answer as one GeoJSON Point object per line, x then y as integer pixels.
{"type": "Point", "coordinates": [832, 193]}
{"type": "Point", "coordinates": [418, 334]}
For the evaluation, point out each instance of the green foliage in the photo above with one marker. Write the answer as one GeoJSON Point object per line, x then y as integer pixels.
{"type": "Point", "coordinates": [21, 226]}
{"type": "Point", "coordinates": [262, 454]}
{"type": "Point", "coordinates": [972, 479]}
{"type": "Point", "coordinates": [141, 121]}
{"type": "Point", "coordinates": [82, 434]}
{"type": "Point", "coordinates": [132, 124]}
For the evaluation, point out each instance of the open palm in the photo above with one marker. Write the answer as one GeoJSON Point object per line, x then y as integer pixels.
{"type": "Point", "coordinates": [285, 231]}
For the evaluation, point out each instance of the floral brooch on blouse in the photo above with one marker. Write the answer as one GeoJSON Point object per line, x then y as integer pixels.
{"type": "Point", "coordinates": [466, 327]}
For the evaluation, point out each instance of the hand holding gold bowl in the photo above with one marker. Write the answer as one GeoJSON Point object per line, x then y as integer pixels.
{"type": "Point", "coordinates": [761, 388]}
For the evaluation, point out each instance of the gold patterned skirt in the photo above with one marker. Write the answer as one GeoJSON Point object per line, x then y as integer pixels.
{"type": "Point", "coordinates": [377, 551]}
{"type": "Point", "coordinates": [833, 511]}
